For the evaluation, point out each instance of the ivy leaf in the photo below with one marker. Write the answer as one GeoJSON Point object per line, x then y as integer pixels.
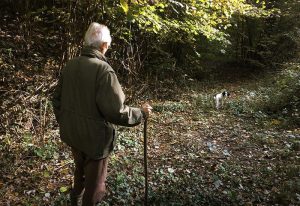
{"type": "Point", "coordinates": [171, 170]}
{"type": "Point", "coordinates": [226, 153]}
{"type": "Point", "coordinates": [63, 189]}
{"type": "Point", "coordinates": [218, 183]}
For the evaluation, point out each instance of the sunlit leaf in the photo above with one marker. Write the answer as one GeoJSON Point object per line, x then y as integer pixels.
{"type": "Point", "coordinates": [124, 5]}
{"type": "Point", "coordinates": [63, 189]}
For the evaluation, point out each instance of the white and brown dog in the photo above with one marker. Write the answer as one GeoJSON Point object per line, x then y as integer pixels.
{"type": "Point", "coordinates": [219, 98]}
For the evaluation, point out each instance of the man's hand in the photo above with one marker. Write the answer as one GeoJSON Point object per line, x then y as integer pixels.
{"type": "Point", "coordinates": [147, 109]}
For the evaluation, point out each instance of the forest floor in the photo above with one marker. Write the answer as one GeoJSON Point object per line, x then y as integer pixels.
{"type": "Point", "coordinates": [197, 155]}
{"type": "Point", "coordinates": [238, 155]}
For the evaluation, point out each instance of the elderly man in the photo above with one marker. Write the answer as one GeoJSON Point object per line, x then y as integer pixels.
{"type": "Point", "coordinates": [87, 102]}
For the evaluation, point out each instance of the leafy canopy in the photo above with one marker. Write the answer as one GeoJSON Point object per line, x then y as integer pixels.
{"type": "Point", "coordinates": [186, 19]}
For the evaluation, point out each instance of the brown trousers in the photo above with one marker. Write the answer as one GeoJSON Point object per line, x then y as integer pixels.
{"type": "Point", "coordinates": [89, 180]}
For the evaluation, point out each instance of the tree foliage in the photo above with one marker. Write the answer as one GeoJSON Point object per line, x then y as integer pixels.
{"type": "Point", "coordinates": [184, 20]}
{"type": "Point", "coordinates": [144, 27]}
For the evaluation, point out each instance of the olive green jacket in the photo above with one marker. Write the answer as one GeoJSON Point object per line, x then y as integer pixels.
{"type": "Point", "coordinates": [87, 101]}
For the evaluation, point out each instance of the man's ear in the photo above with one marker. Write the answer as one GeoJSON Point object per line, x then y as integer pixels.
{"type": "Point", "coordinates": [103, 46]}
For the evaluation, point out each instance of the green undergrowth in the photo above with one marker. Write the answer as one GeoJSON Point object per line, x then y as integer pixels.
{"type": "Point", "coordinates": [272, 101]}
{"type": "Point", "coordinates": [245, 153]}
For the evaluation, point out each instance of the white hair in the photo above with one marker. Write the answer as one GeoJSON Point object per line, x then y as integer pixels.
{"type": "Point", "coordinates": [96, 35]}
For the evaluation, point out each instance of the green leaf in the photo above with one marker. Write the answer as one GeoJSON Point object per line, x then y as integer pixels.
{"type": "Point", "coordinates": [124, 5]}
{"type": "Point", "coordinates": [46, 174]}
{"type": "Point", "coordinates": [63, 189]}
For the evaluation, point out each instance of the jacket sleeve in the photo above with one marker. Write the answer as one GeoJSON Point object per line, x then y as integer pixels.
{"type": "Point", "coordinates": [110, 101]}
{"type": "Point", "coordinates": [56, 98]}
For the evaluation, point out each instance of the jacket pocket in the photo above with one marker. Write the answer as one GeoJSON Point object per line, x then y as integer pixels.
{"type": "Point", "coordinates": [110, 134]}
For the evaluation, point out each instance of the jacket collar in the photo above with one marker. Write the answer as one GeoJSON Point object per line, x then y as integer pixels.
{"type": "Point", "coordinates": [92, 52]}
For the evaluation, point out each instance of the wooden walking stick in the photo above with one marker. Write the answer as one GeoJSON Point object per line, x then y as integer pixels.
{"type": "Point", "coordinates": [145, 162]}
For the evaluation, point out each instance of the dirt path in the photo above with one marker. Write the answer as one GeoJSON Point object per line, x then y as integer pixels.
{"type": "Point", "coordinates": [217, 158]}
